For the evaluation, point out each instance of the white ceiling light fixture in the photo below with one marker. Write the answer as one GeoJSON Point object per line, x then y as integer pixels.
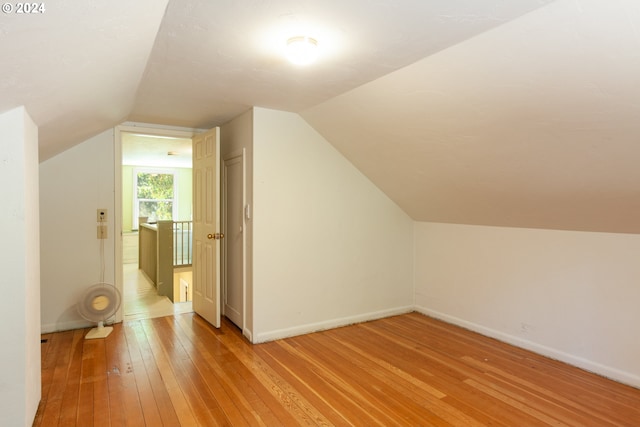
{"type": "Point", "coordinates": [302, 50]}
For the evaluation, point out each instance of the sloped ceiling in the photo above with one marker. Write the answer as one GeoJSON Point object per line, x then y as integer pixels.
{"type": "Point", "coordinates": [213, 60]}
{"type": "Point", "coordinates": [76, 66]}
{"type": "Point", "coordinates": [514, 112]}
{"type": "Point", "coordinates": [533, 124]}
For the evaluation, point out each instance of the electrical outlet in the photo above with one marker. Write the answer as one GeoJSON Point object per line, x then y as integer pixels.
{"type": "Point", "coordinates": [101, 215]}
{"type": "Point", "coordinates": [102, 231]}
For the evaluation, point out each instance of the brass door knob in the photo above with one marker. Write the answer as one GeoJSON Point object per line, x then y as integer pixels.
{"type": "Point", "coordinates": [210, 236]}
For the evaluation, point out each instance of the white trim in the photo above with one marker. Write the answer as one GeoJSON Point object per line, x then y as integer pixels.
{"type": "Point", "coordinates": [66, 326]}
{"type": "Point", "coordinates": [240, 153]}
{"type": "Point", "coordinates": [248, 334]}
{"type": "Point", "coordinates": [131, 127]}
{"type": "Point", "coordinates": [158, 130]}
{"type": "Point", "coordinates": [70, 325]}
{"type": "Point", "coordinates": [244, 242]}
{"type": "Point", "coordinates": [587, 365]}
{"type": "Point", "coordinates": [118, 273]}
{"type": "Point", "coordinates": [329, 324]}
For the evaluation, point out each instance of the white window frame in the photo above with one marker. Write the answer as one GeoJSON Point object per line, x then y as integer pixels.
{"type": "Point", "coordinates": [136, 204]}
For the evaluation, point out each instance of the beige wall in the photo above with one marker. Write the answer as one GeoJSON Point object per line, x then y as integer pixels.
{"type": "Point", "coordinates": [569, 295]}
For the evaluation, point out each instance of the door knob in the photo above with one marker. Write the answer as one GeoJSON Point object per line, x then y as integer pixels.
{"type": "Point", "coordinates": [216, 236]}
{"type": "Point", "coordinates": [210, 236]}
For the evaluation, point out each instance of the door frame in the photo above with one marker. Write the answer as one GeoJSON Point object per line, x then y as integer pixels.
{"type": "Point", "coordinates": [224, 191]}
{"type": "Point", "coordinates": [146, 129]}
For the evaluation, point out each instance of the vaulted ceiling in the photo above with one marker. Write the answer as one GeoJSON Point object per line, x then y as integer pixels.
{"type": "Point", "coordinates": [512, 113]}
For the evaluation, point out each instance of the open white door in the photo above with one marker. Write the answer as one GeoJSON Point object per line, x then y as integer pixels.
{"type": "Point", "coordinates": [206, 226]}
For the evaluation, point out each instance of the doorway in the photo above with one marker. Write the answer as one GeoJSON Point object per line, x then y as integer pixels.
{"type": "Point", "coordinates": [156, 184]}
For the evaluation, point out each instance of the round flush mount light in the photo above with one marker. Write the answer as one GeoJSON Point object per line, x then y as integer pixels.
{"type": "Point", "coordinates": [302, 50]}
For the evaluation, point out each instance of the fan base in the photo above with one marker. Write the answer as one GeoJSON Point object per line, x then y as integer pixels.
{"type": "Point", "coordinates": [99, 332]}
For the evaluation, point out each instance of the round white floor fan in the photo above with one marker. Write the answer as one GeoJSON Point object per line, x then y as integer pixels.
{"type": "Point", "coordinates": [98, 303]}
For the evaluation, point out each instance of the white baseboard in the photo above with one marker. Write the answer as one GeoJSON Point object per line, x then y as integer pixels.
{"type": "Point", "coordinates": [587, 365]}
{"type": "Point", "coordinates": [65, 326]}
{"type": "Point", "coordinates": [328, 324]}
{"type": "Point", "coordinates": [247, 334]}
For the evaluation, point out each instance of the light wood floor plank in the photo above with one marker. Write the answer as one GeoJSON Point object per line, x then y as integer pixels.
{"type": "Point", "coordinates": [231, 349]}
{"type": "Point", "coordinates": [404, 370]}
{"type": "Point", "coordinates": [413, 360]}
{"type": "Point", "coordinates": [286, 396]}
{"type": "Point", "coordinates": [85, 406]}
{"type": "Point", "coordinates": [321, 393]}
{"type": "Point", "coordinates": [405, 384]}
{"type": "Point", "coordinates": [356, 386]}
{"type": "Point", "coordinates": [136, 341]}
{"type": "Point", "coordinates": [163, 401]}
{"type": "Point", "coordinates": [101, 412]}
{"type": "Point", "coordinates": [453, 373]}
{"type": "Point", "coordinates": [203, 406]}
{"type": "Point", "coordinates": [54, 376]}
{"type": "Point", "coordinates": [124, 405]}
{"type": "Point", "coordinates": [70, 398]}
{"type": "Point", "coordinates": [228, 389]}
{"type": "Point", "coordinates": [198, 396]}
{"type": "Point", "coordinates": [177, 397]}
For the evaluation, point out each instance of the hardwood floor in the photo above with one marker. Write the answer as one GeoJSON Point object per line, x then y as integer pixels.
{"type": "Point", "coordinates": [141, 300]}
{"type": "Point", "coordinates": [406, 370]}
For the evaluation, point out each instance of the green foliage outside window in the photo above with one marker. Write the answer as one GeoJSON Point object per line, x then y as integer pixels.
{"type": "Point", "coordinates": [155, 195]}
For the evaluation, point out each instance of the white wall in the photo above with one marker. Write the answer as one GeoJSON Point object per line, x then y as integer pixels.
{"type": "Point", "coordinates": [20, 265]}
{"type": "Point", "coordinates": [234, 136]}
{"type": "Point", "coordinates": [329, 247]}
{"type": "Point", "coordinates": [569, 295]}
{"type": "Point", "coordinates": [73, 185]}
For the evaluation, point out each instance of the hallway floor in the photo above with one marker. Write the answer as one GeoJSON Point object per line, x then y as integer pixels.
{"type": "Point", "coordinates": [141, 300]}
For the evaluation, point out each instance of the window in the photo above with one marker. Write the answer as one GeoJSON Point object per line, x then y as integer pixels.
{"type": "Point", "coordinates": [154, 195]}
